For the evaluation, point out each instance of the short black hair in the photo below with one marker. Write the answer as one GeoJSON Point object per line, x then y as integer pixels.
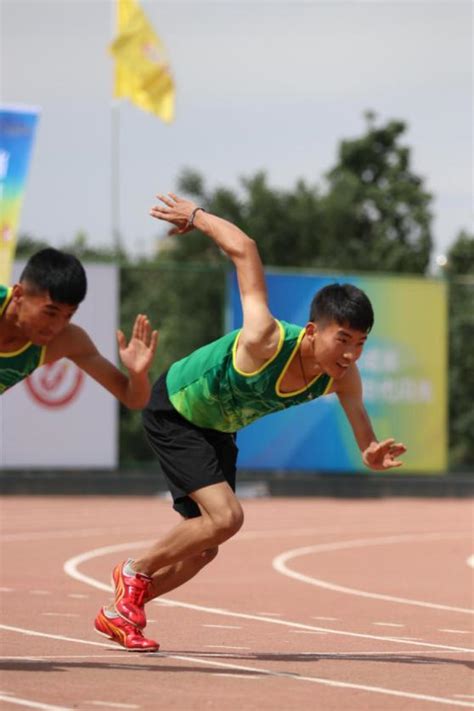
{"type": "Point", "coordinates": [60, 274]}
{"type": "Point", "coordinates": [345, 304]}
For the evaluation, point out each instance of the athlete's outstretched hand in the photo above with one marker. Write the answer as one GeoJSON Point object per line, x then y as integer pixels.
{"type": "Point", "coordinates": [175, 210]}
{"type": "Point", "coordinates": [383, 455]}
{"type": "Point", "coordinates": [137, 355]}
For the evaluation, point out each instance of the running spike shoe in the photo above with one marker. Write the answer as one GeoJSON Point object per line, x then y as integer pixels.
{"type": "Point", "coordinates": [127, 635]}
{"type": "Point", "coordinates": [130, 593]}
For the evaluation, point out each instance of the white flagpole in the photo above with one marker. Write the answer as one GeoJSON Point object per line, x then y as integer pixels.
{"type": "Point", "coordinates": [115, 175]}
{"type": "Point", "coordinates": [115, 155]}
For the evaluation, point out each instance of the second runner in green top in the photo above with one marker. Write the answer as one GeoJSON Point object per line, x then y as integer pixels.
{"type": "Point", "coordinates": [207, 388]}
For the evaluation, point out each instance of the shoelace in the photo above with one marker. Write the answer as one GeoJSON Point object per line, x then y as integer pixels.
{"type": "Point", "coordinates": [131, 629]}
{"type": "Point", "coordinates": [137, 588]}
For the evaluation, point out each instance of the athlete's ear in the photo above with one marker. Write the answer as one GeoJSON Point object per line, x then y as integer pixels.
{"type": "Point", "coordinates": [311, 328]}
{"type": "Point", "coordinates": [17, 292]}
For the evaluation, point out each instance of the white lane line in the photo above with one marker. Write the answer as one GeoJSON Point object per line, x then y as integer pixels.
{"type": "Point", "coordinates": [39, 658]}
{"type": "Point", "coordinates": [32, 633]}
{"type": "Point", "coordinates": [61, 614]}
{"type": "Point", "coordinates": [307, 632]}
{"type": "Point", "coordinates": [78, 596]}
{"type": "Point", "coordinates": [224, 627]}
{"type": "Point", "coordinates": [222, 646]}
{"type": "Point", "coordinates": [279, 564]}
{"type": "Point", "coordinates": [40, 592]}
{"type": "Point", "coordinates": [314, 617]}
{"type": "Point", "coordinates": [6, 589]}
{"type": "Point", "coordinates": [470, 561]}
{"type": "Point", "coordinates": [388, 624]}
{"type": "Point", "coordinates": [31, 704]}
{"type": "Point", "coordinates": [456, 631]}
{"type": "Point", "coordinates": [241, 676]}
{"type": "Point", "coordinates": [71, 565]}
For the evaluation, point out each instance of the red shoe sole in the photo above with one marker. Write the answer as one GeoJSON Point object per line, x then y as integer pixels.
{"type": "Point", "coordinates": [126, 649]}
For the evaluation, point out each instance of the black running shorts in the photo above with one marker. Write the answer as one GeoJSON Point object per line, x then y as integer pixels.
{"type": "Point", "coordinates": [191, 457]}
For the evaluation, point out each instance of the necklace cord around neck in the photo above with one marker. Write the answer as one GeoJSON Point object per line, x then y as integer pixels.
{"type": "Point", "coordinates": [302, 369]}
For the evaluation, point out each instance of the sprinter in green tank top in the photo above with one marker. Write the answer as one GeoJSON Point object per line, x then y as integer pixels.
{"type": "Point", "coordinates": [35, 329]}
{"type": "Point", "coordinates": [196, 407]}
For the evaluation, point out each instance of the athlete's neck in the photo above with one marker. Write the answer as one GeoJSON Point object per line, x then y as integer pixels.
{"type": "Point", "coordinates": [310, 364]}
{"type": "Point", "coordinates": [11, 335]}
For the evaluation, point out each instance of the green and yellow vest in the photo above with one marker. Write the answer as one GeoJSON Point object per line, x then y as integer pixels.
{"type": "Point", "coordinates": [16, 366]}
{"type": "Point", "coordinates": [208, 390]}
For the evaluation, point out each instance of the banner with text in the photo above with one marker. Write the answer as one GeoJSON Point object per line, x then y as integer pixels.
{"type": "Point", "coordinates": [17, 132]}
{"type": "Point", "coordinates": [403, 369]}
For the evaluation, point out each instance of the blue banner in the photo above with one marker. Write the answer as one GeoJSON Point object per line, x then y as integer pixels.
{"type": "Point", "coordinates": [404, 379]}
{"type": "Point", "coordinates": [17, 132]}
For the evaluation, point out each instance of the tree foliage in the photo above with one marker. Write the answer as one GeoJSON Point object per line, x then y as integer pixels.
{"type": "Point", "coordinates": [460, 272]}
{"type": "Point", "coordinates": [373, 216]}
{"type": "Point", "coordinates": [184, 301]}
{"type": "Point", "coordinates": [376, 209]}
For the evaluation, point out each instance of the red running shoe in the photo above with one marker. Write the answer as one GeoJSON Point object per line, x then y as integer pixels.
{"type": "Point", "coordinates": [130, 592]}
{"type": "Point", "coordinates": [126, 634]}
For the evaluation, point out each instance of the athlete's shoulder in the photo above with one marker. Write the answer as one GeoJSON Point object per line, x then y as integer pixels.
{"type": "Point", "coordinates": [350, 384]}
{"type": "Point", "coordinates": [288, 325]}
{"type": "Point", "coordinates": [73, 341]}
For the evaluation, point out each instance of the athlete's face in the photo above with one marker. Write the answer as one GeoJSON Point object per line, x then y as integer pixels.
{"type": "Point", "coordinates": [335, 347]}
{"type": "Point", "coordinates": [38, 317]}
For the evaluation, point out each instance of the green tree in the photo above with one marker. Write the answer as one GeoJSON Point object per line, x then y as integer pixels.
{"type": "Point", "coordinates": [374, 215]}
{"type": "Point", "coordinates": [460, 273]}
{"type": "Point", "coordinates": [185, 302]}
{"type": "Point", "coordinates": [286, 224]}
{"type": "Point", "coordinates": [376, 211]}
{"type": "Point", "coordinates": [27, 245]}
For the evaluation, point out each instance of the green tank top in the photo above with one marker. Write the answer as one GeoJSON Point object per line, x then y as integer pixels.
{"type": "Point", "coordinates": [208, 390]}
{"type": "Point", "coordinates": [18, 365]}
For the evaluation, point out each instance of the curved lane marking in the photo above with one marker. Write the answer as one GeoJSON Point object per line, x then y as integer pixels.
{"type": "Point", "coordinates": [16, 700]}
{"type": "Point", "coordinates": [269, 673]}
{"type": "Point", "coordinates": [280, 565]}
{"type": "Point", "coordinates": [71, 565]}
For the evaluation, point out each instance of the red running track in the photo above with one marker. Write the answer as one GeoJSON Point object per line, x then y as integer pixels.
{"type": "Point", "coordinates": [315, 604]}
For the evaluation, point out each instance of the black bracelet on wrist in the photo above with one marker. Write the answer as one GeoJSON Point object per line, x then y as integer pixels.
{"type": "Point", "coordinates": [190, 222]}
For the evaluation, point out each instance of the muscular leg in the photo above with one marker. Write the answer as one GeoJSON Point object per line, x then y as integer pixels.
{"type": "Point", "coordinates": [172, 576]}
{"type": "Point", "coordinates": [221, 517]}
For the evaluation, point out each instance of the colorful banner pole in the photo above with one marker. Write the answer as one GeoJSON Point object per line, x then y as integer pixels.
{"type": "Point", "coordinates": [17, 133]}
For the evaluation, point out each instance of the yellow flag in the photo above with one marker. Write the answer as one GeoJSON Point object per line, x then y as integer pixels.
{"type": "Point", "coordinates": [142, 73]}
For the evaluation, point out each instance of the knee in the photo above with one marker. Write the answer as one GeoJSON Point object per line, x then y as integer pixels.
{"type": "Point", "coordinates": [209, 554]}
{"type": "Point", "coordinates": [229, 521]}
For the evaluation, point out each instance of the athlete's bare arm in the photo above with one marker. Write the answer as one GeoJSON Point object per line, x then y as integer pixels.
{"type": "Point", "coordinates": [260, 333]}
{"type": "Point", "coordinates": [136, 355]}
{"type": "Point", "coordinates": [375, 455]}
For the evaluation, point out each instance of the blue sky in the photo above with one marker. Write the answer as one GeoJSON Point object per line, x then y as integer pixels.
{"type": "Point", "coordinates": [268, 86]}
